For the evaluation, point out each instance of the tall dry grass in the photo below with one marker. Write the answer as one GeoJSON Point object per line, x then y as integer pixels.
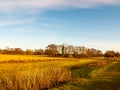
{"type": "Point", "coordinates": [51, 72]}
{"type": "Point", "coordinates": [27, 58]}
{"type": "Point", "coordinates": [34, 80]}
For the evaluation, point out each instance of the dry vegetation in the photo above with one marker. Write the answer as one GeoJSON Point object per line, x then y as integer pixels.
{"type": "Point", "coordinates": [55, 73]}
{"type": "Point", "coordinates": [35, 75]}
{"type": "Point", "coordinates": [34, 79]}
{"type": "Point", "coordinates": [26, 58]}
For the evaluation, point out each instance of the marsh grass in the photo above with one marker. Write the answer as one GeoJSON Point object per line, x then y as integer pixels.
{"type": "Point", "coordinates": [43, 73]}
{"type": "Point", "coordinates": [26, 58]}
{"type": "Point", "coordinates": [34, 80]}
{"type": "Point", "coordinates": [99, 75]}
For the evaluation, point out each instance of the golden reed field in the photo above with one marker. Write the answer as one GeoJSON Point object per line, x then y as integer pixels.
{"type": "Point", "coordinates": [32, 72]}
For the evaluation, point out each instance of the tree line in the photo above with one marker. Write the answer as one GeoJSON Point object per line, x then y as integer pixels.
{"type": "Point", "coordinates": [63, 50]}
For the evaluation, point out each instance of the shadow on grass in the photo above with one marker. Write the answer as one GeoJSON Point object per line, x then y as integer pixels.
{"type": "Point", "coordinates": [83, 71]}
{"type": "Point", "coordinates": [108, 80]}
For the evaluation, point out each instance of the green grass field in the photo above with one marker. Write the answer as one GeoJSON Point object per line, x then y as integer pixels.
{"type": "Point", "coordinates": [25, 72]}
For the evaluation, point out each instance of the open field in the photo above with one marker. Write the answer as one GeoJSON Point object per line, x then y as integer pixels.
{"type": "Point", "coordinates": [26, 58]}
{"type": "Point", "coordinates": [58, 73]}
{"type": "Point", "coordinates": [93, 77]}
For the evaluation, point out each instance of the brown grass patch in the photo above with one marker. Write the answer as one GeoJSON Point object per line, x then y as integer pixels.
{"type": "Point", "coordinates": [34, 80]}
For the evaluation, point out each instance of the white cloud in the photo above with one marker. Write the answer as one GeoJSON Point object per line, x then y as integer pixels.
{"type": "Point", "coordinates": [22, 30]}
{"type": "Point", "coordinates": [14, 5]}
{"type": "Point", "coordinates": [11, 21]}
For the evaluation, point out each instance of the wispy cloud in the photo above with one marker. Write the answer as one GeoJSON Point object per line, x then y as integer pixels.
{"type": "Point", "coordinates": [22, 30]}
{"type": "Point", "coordinates": [32, 5]}
{"type": "Point", "coordinates": [12, 21]}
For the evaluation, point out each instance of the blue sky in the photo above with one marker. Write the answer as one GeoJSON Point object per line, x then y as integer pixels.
{"type": "Point", "coordinates": [37, 23]}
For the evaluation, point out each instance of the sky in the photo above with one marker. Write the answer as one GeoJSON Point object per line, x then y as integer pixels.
{"type": "Point", "coordinates": [33, 24]}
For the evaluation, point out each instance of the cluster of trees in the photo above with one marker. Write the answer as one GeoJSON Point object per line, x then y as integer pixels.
{"type": "Point", "coordinates": [63, 50]}
{"type": "Point", "coordinates": [111, 54]}
{"type": "Point", "coordinates": [19, 51]}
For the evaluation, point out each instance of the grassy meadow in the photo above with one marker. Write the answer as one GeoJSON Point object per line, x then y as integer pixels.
{"type": "Point", "coordinates": [26, 58]}
{"type": "Point", "coordinates": [30, 72]}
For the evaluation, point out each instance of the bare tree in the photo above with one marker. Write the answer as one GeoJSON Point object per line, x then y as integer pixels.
{"type": "Point", "coordinates": [51, 50]}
